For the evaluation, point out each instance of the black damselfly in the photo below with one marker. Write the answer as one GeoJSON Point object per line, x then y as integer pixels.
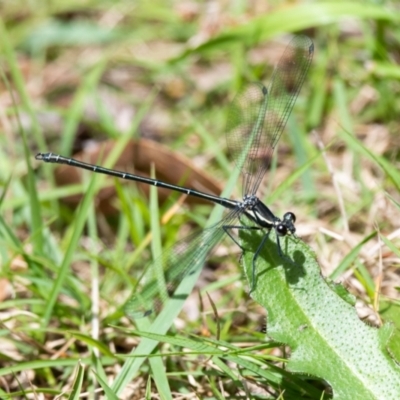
{"type": "Point", "coordinates": [256, 120]}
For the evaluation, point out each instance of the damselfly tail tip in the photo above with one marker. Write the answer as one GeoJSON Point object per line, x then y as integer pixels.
{"type": "Point", "coordinates": [39, 156]}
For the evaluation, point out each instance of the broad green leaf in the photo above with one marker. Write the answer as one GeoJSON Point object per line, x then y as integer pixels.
{"type": "Point", "coordinates": [326, 337]}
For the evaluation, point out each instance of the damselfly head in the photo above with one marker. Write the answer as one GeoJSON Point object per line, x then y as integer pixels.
{"type": "Point", "coordinates": [286, 226]}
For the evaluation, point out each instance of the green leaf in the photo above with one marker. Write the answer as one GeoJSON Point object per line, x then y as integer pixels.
{"type": "Point", "coordinates": [391, 171]}
{"type": "Point", "coordinates": [351, 257]}
{"type": "Point", "coordinates": [390, 311]}
{"type": "Point", "coordinates": [326, 337]}
{"type": "Point", "coordinates": [276, 377]}
{"type": "Point", "coordinates": [77, 33]}
{"type": "Point", "coordinates": [77, 386]}
{"type": "Point", "coordinates": [92, 343]}
{"type": "Point", "coordinates": [107, 390]}
{"type": "Point", "coordinates": [292, 18]}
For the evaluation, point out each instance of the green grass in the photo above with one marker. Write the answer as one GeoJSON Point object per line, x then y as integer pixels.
{"type": "Point", "coordinates": [167, 71]}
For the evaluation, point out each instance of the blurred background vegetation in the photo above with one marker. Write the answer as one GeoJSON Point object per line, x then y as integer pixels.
{"type": "Point", "coordinates": [86, 79]}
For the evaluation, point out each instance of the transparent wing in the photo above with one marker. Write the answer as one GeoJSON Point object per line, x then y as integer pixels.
{"type": "Point", "coordinates": [171, 268]}
{"type": "Point", "coordinates": [258, 115]}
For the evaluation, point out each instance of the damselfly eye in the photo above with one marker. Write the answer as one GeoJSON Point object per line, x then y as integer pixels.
{"type": "Point", "coordinates": [281, 229]}
{"type": "Point", "coordinates": [289, 216]}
